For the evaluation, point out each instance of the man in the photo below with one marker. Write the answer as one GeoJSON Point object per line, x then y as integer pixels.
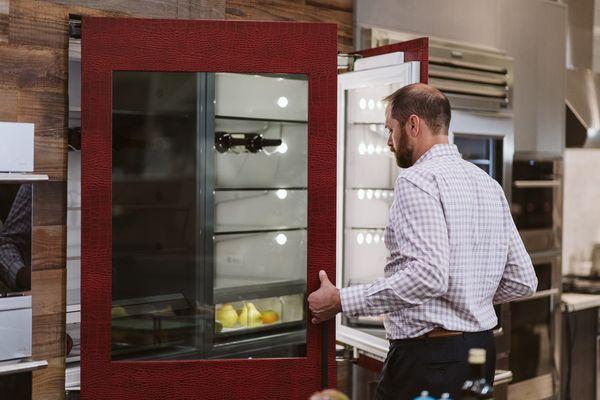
{"type": "Point", "coordinates": [454, 252]}
{"type": "Point", "coordinates": [15, 244]}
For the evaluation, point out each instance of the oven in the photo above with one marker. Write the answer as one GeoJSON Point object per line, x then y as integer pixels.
{"type": "Point", "coordinates": [537, 201]}
{"type": "Point", "coordinates": [535, 322]}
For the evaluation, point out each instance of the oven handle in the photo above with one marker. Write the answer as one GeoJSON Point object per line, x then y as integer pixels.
{"type": "Point", "coordinates": [539, 295]}
{"type": "Point", "coordinates": [523, 184]}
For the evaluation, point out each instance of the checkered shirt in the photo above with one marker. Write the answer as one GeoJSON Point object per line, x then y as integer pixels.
{"type": "Point", "coordinates": [15, 239]}
{"type": "Point", "coordinates": [454, 252]}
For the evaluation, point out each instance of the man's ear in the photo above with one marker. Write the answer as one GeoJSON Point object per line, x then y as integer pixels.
{"type": "Point", "coordinates": [414, 125]}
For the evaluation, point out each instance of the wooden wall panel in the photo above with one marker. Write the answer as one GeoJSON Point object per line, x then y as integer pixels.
{"type": "Point", "coordinates": [28, 68]}
{"type": "Point", "coordinates": [48, 250]}
{"type": "Point", "coordinates": [146, 8]}
{"type": "Point", "coordinates": [335, 11]}
{"type": "Point", "coordinates": [34, 23]}
{"type": "Point", "coordinates": [8, 104]}
{"type": "Point", "coordinates": [48, 296]}
{"type": "Point", "coordinates": [46, 109]}
{"type": "Point", "coordinates": [49, 383]}
{"type": "Point", "coordinates": [51, 157]}
{"type": "Point", "coordinates": [49, 199]}
{"type": "Point", "coordinates": [47, 332]}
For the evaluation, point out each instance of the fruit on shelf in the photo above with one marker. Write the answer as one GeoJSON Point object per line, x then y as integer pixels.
{"type": "Point", "coordinates": [227, 316]}
{"type": "Point", "coordinates": [250, 316]}
{"type": "Point", "coordinates": [218, 327]}
{"type": "Point", "coordinates": [269, 316]}
{"type": "Point", "coordinates": [118, 312]}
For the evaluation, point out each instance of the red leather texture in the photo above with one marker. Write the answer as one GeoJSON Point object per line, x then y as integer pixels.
{"type": "Point", "coordinates": [205, 46]}
{"type": "Point", "coordinates": [414, 50]}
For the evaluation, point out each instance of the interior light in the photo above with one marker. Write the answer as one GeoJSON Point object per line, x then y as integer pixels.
{"type": "Point", "coordinates": [373, 128]}
{"type": "Point", "coordinates": [379, 105]}
{"type": "Point", "coordinates": [376, 238]}
{"type": "Point", "coordinates": [281, 194]}
{"type": "Point", "coordinates": [362, 103]}
{"type": "Point", "coordinates": [360, 238]}
{"type": "Point", "coordinates": [378, 149]}
{"type": "Point", "coordinates": [281, 239]}
{"type": "Point", "coordinates": [371, 104]}
{"type": "Point", "coordinates": [384, 194]}
{"type": "Point", "coordinates": [369, 238]}
{"type": "Point", "coordinates": [377, 193]}
{"type": "Point", "coordinates": [361, 194]}
{"type": "Point", "coordinates": [362, 148]}
{"type": "Point", "coordinates": [282, 148]}
{"type": "Point", "coordinates": [371, 148]}
{"type": "Point", "coordinates": [369, 194]}
{"type": "Point", "coordinates": [282, 102]}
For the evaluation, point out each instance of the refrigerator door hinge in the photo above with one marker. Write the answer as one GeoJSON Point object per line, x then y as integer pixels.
{"type": "Point", "coordinates": [75, 26]}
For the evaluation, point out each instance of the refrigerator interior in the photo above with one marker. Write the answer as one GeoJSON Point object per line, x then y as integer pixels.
{"type": "Point", "coordinates": [209, 215]}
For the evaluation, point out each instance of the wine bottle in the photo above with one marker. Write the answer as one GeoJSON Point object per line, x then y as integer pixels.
{"type": "Point", "coordinates": [476, 373]}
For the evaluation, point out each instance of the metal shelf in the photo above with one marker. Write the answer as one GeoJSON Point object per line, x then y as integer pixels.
{"type": "Point", "coordinates": [284, 121]}
{"type": "Point", "coordinates": [23, 366]}
{"type": "Point", "coordinates": [261, 329]}
{"type": "Point", "coordinates": [259, 291]}
{"type": "Point", "coordinates": [16, 177]}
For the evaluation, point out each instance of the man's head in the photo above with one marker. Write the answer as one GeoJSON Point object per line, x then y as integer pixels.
{"type": "Point", "coordinates": [417, 116]}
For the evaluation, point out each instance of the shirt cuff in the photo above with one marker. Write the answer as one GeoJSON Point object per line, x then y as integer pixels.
{"type": "Point", "coordinates": [354, 302]}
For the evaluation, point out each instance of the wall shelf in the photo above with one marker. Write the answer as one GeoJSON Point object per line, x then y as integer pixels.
{"type": "Point", "coordinates": [15, 177]}
{"type": "Point", "coordinates": [23, 366]}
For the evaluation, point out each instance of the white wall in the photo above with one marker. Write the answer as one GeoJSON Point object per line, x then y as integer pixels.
{"type": "Point", "coordinates": [581, 219]}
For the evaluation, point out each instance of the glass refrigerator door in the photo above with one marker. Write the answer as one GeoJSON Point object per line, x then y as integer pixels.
{"type": "Point", "coordinates": [209, 215]}
{"type": "Point", "coordinates": [208, 208]}
{"type": "Point", "coordinates": [367, 172]}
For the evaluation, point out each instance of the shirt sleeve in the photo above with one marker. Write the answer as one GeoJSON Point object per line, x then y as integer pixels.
{"type": "Point", "coordinates": [417, 218]}
{"type": "Point", "coordinates": [518, 279]}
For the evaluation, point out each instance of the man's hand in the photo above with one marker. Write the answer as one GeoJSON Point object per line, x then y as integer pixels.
{"type": "Point", "coordinates": [324, 303]}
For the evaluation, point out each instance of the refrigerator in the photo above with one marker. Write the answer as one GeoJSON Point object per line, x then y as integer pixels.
{"type": "Point", "coordinates": [209, 158]}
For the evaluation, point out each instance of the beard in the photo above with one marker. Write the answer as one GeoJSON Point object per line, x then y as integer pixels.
{"type": "Point", "coordinates": [404, 152]}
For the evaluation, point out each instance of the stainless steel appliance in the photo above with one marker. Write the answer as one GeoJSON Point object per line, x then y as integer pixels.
{"type": "Point", "coordinates": [537, 201]}
{"type": "Point", "coordinates": [536, 321]}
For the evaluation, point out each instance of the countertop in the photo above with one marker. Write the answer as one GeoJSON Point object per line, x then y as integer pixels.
{"type": "Point", "coordinates": [579, 301]}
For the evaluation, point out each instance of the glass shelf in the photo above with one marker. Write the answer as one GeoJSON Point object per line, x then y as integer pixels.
{"type": "Point", "coordinates": [245, 231]}
{"type": "Point", "coordinates": [259, 290]}
{"type": "Point", "coordinates": [282, 121]}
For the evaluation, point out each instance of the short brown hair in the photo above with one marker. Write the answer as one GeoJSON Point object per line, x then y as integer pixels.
{"type": "Point", "coordinates": [424, 101]}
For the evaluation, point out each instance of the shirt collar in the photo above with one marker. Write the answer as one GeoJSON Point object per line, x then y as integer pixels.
{"type": "Point", "coordinates": [439, 150]}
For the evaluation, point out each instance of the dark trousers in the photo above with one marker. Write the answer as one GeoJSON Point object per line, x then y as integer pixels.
{"type": "Point", "coordinates": [438, 365]}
